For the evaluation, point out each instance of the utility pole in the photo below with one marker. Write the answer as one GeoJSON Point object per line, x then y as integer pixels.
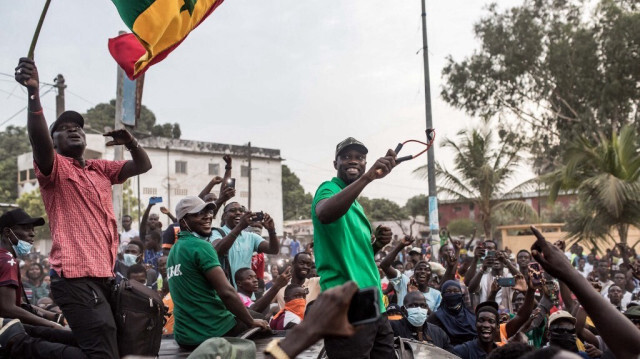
{"type": "Point", "coordinates": [433, 199]}
{"type": "Point", "coordinates": [59, 81]}
{"type": "Point", "coordinates": [118, 150]}
{"type": "Point", "coordinates": [249, 170]}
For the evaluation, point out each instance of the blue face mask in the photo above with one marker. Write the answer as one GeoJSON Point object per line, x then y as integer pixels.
{"type": "Point", "coordinates": [22, 248]}
{"type": "Point", "coordinates": [416, 316]}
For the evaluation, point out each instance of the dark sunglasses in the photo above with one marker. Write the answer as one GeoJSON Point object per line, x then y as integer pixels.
{"type": "Point", "coordinates": [563, 331]}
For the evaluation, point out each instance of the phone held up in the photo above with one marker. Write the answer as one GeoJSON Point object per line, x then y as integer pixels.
{"type": "Point", "coordinates": [507, 282]}
{"type": "Point", "coordinates": [231, 182]}
{"type": "Point", "coordinates": [155, 200]}
{"type": "Point", "coordinates": [536, 273]}
{"type": "Point", "coordinates": [364, 307]}
{"type": "Point", "coordinates": [258, 216]}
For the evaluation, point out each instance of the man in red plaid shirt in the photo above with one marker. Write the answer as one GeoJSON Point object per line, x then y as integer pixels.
{"type": "Point", "coordinates": [77, 196]}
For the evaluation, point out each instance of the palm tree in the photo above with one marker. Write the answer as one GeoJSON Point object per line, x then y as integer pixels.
{"type": "Point", "coordinates": [481, 173]}
{"type": "Point", "coordinates": [605, 175]}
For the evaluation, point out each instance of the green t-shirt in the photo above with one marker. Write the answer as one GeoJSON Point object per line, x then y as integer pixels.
{"type": "Point", "coordinates": [198, 311]}
{"type": "Point", "coordinates": [343, 248]}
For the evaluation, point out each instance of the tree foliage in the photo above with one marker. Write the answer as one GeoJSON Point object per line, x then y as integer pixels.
{"type": "Point", "coordinates": [606, 176]}
{"type": "Point", "coordinates": [296, 204]}
{"type": "Point", "coordinates": [561, 68]}
{"type": "Point", "coordinates": [462, 227]}
{"type": "Point", "coordinates": [31, 202]}
{"type": "Point", "coordinates": [13, 142]}
{"type": "Point", "coordinates": [381, 209]}
{"type": "Point", "coordinates": [480, 174]}
{"type": "Point", "coordinates": [417, 206]}
{"type": "Point", "coordinates": [103, 115]}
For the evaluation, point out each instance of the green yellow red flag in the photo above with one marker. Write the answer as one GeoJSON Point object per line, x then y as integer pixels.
{"type": "Point", "coordinates": [158, 27]}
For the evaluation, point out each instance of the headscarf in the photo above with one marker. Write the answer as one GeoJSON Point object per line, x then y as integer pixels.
{"type": "Point", "coordinates": [457, 322]}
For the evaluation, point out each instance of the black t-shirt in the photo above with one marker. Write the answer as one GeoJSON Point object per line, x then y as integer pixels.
{"type": "Point", "coordinates": [431, 333]}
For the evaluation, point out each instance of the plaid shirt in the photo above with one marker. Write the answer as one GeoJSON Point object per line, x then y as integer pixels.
{"type": "Point", "coordinates": [80, 209]}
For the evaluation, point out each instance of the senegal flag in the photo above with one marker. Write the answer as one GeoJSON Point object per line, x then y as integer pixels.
{"type": "Point", "coordinates": [158, 27]}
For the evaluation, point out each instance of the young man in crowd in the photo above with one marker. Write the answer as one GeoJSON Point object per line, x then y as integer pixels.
{"type": "Point", "coordinates": [138, 273]}
{"type": "Point", "coordinates": [205, 303]}
{"type": "Point", "coordinates": [343, 243]}
{"type": "Point", "coordinates": [487, 328]}
{"type": "Point", "coordinates": [301, 267]}
{"type": "Point", "coordinates": [127, 233]}
{"type": "Point", "coordinates": [77, 197]}
{"type": "Point", "coordinates": [239, 244]}
{"type": "Point", "coordinates": [523, 258]}
{"type": "Point", "coordinates": [603, 272]}
{"type": "Point", "coordinates": [133, 255]}
{"type": "Point", "coordinates": [493, 267]}
{"type": "Point", "coordinates": [34, 333]}
{"type": "Point", "coordinates": [414, 325]}
{"type": "Point", "coordinates": [292, 313]}
{"type": "Point", "coordinates": [620, 280]}
{"type": "Point", "coordinates": [247, 283]}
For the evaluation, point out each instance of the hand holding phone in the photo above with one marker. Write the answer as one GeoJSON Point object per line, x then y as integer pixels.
{"type": "Point", "coordinates": [507, 282]}
{"type": "Point", "coordinates": [231, 183]}
{"type": "Point", "coordinates": [364, 307]}
{"type": "Point", "coordinates": [154, 200]}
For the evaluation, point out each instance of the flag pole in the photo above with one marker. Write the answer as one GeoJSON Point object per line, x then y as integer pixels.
{"type": "Point", "coordinates": [32, 48]}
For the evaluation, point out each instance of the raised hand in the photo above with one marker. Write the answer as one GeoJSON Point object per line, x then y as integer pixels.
{"type": "Point", "coordinates": [550, 257]}
{"type": "Point", "coordinates": [227, 159]}
{"type": "Point", "coordinates": [27, 74]}
{"type": "Point", "coordinates": [164, 210]}
{"type": "Point", "coordinates": [120, 137]}
{"type": "Point", "coordinates": [382, 166]}
{"type": "Point", "coordinates": [226, 193]}
{"type": "Point", "coordinates": [407, 241]}
{"type": "Point", "coordinates": [383, 236]}
{"type": "Point", "coordinates": [268, 223]}
{"type": "Point", "coordinates": [283, 279]}
{"type": "Point", "coordinates": [521, 283]}
{"type": "Point", "coordinates": [328, 315]}
{"type": "Point", "coordinates": [245, 220]}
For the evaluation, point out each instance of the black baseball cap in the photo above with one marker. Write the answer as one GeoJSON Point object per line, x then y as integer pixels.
{"type": "Point", "coordinates": [19, 216]}
{"type": "Point", "coordinates": [351, 142]}
{"type": "Point", "coordinates": [67, 116]}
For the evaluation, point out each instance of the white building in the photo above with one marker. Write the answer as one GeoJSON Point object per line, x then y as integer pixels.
{"type": "Point", "coordinates": [183, 167]}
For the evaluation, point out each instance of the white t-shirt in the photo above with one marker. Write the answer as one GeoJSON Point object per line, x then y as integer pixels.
{"type": "Point", "coordinates": [290, 318]}
{"type": "Point", "coordinates": [126, 237]}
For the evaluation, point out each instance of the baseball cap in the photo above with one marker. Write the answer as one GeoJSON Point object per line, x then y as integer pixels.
{"type": "Point", "coordinates": [19, 216]}
{"type": "Point", "coordinates": [561, 314]}
{"type": "Point", "coordinates": [67, 116]}
{"type": "Point", "coordinates": [416, 249]}
{"type": "Point", "coordinates": [348, 142]}
{"type": "Point", "coordinates": [633, 312]}
{"type": "Point", "coordinates": [191, 204]}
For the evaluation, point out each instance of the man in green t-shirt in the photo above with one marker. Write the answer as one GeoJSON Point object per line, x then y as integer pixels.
{"type": "Point", "coordinates": [343, 246]}
{"type": "Point", "coordinates": [205, 303]}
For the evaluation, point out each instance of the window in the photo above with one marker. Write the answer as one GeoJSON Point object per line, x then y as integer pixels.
{"type": "Point", "coordinates": [244, 171]}
{"type": "Point", "coordinates": [152, 191]}
{"type": "Point", "coordinates": [180, 191]}
{"type": "Point", "coordinates": [181, 167]}
{"type": "Point", "coordinates": [23, 176]}
{"type": "Point", "coordinates": [457, 209]}
{"type": "Point", "coordinates": [214, 169]}
{"type": "Point", "coordinates": [244, 194]}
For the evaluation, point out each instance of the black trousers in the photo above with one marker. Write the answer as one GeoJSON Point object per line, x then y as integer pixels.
{"type": "Point", "coordinates": [43, 342]}
{"type": "Point", "coordinates": [373, 340]}
{"type": "Point", "coordinates": [85, 303]}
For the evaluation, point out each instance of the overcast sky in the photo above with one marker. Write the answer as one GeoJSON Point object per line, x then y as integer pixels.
{"type": "Point", "coordinates": [296, 75]}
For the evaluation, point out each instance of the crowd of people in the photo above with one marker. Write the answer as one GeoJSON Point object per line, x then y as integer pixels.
{"type": "Point", "coordinates": [219, 276]}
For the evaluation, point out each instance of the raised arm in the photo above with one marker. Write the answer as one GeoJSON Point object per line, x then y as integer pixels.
{"type": "Point", "coordinates": [43, 154]}
{"type": "Point", "coordinates": [215, 276]}
{"type": "Point", "coordinates": [272, 246]}
{"type": "Point", "coordinates": [617, 331]}
{"type": "Point", "coordinates": [223, 245]}
{"type": "Point", "coordinates": [330, 209]}
{"type": "Point", "coordinates": [387, 261]}
{"type": "Point", "coordinates": [143, 222]}
{"type": "Point", "coordinates": [263, 302]}
{"type": "Point", "coordinates": [166, 211]}
{"type": "Point", "coordinates": [139, 163]}
{"type": "Point", "coordinates": [207, 189]}
{"type": "Point", "coordinates": [525, 311]}
{"type": "Point", "coordinates": [478, 253]}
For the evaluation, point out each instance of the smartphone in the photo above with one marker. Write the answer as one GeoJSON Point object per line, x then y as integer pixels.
{"type": "Point", "coordinates": [231, 182]}
{"type": "Point", "coordinates": [536, 273]}
{"type": "Point", "coordinates": [258, 216]}
{"type": "Point", "coordinates": [364, 307]}
{"type": "Point", "coordinates": [507, 282]}
{"type": "Point", "coordinates": [491, 254]}
{"type": "Point", "coordinates": [154, 200]}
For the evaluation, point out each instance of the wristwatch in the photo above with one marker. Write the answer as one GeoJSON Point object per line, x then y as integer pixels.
{"type": "Point", "coordinates": [274, 349]}
{"type": "Point", "coordinates": [132, 145]}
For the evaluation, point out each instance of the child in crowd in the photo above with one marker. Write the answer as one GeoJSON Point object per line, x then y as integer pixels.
{"type": "Point", "coordinates": [293, 311]}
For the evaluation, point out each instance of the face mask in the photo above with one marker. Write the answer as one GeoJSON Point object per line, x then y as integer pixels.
{"type": "Point", "coordinates": [22, 248]}
{"type": "Point", "coordinates": [453, 301]}
{"type": "Point", "coordinates": [130, 259]}
{"type": "Point", "coordinates": [416, 316]}
{"type": "Point", "coordinates": [565, 341]}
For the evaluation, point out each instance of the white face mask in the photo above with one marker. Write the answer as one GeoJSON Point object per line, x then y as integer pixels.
{"type": "Point", "coordinates": [416, 316]}
{"type": "Point", "coordinates": [130, 259]}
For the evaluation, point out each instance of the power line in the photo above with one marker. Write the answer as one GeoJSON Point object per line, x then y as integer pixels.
{"type": "Point", "coordinates": [13, 77]}
{"type": "Point", "coordinates": [82, 98]}
{"type": "Point", "coordinates": [24, 108]}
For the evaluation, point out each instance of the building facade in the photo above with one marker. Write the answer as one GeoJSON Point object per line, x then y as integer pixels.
{"type": "Point", "coordinates": [183, 168]}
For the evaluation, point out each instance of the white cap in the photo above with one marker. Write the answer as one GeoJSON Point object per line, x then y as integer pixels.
{"type": "Point", "coordinates": [191, 204]}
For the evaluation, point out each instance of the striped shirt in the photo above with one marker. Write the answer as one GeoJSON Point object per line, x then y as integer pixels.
{"type": "Point", "coordinates": [83, 227]}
